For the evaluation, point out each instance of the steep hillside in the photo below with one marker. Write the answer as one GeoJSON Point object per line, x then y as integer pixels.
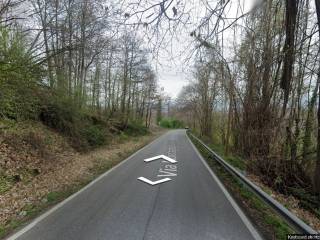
{"type": "Point", "coordinates": [39, 166]}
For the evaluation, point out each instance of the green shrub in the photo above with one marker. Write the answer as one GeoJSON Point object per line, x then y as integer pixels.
{"type": "Point", "coordinates": [19, 77]}
{"type": "Point", "coordinates": [171, 123]}
{"type": "Point", "coordinates": [60, 114]}
{"type": "Point", "coordinates": [123, 137]}
{"type": "Point", "coordinates": [84, 130]}
{"type": "Point", "coordinates": [165, 123]}
{"type": "Point", "coordinates": [136, 129]}
{"type": "Point", "coordinates": [95, 135]}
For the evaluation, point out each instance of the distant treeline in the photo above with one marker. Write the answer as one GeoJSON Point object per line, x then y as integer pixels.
{"type": "Point", "coordinates": [171, 123]}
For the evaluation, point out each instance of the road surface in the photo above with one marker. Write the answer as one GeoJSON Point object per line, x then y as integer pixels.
{"type": "Point", "coordinates": [191, 205]}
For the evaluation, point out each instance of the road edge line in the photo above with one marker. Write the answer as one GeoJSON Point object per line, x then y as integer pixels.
{"type": "Point", "coordinates": [233, 203]}
{"type": "Point", "coordinates": [38, 219]}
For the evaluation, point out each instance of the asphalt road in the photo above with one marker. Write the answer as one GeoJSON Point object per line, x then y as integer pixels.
{"type": "Point", "coordinates": [192, 205]}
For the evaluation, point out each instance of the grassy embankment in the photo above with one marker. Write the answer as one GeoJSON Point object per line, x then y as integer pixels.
{"type": "Point", "coordinates": [42, 165]}
{"type": "Point", "coordinates": [266, 220]}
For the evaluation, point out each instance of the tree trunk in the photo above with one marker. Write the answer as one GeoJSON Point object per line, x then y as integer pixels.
{"type": "Point", "coordinates": [317, 168]}
{"type": "Point", "coordinates": [291, 17]}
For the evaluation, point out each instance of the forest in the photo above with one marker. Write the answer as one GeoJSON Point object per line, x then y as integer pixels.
{"type": "Point", "coordinates": [77, 88]}
{"type": "Point", "coordinates": [88, 69]}
{"type": "Point", "coordinates": [257, 94]}
{"type": "Point", "coordinates": [70, 65]}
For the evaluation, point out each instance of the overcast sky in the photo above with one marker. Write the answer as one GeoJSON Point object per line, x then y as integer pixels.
{"type": "Point", "coordinates": [173, 63]}
{"type": "Point", "coordinates": [173, 70]}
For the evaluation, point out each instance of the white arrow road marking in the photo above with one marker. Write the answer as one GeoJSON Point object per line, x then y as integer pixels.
{"type": "Point", "coordinates": [159, 157]}
{"type": "Point", "coordinates": [143, 179]}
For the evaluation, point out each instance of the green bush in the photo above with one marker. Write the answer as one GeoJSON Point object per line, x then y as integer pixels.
{"type": "Point", "coordinates": [19, 77]}
{"type": "Point", "coordinates": [171, 123]}
{"type": "Point", "coordinates": [95, 135]}
{"type": "Point", "coordinates": [136, 129]}
{"type": "Point", "coordinates": [82, 128]}
{"type": "Point", "coordinates": [60, 114]}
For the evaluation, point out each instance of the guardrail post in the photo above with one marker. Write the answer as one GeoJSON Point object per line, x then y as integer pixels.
{"type": "Point", "coordinates": [288, 216]}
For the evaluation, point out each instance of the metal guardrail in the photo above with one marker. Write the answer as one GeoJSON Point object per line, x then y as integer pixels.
{"type": "Point", "coordinates": [288, 216]}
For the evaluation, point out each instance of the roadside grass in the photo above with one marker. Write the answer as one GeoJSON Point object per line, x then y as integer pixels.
{"type": "Point", "coordinates": [269, 224]}
{"type": "Point", "coordinates": [235, 161]}
{"type": "Point", "coordinates": [5, 183]}
{"type": "Point", "coordinates": [52, 198]}
{"type": "Point", "coordinates": [30, 211]}
{"type": "Point", "coordinates": [25, 175]}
